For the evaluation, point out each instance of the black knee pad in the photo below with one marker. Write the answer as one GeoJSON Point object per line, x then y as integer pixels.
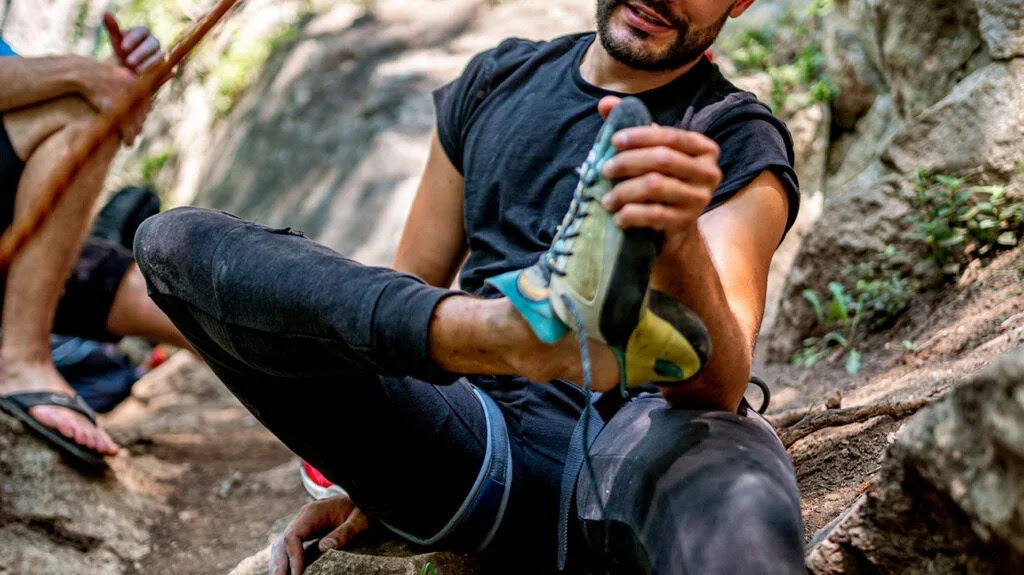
{"type": "Point", "coordinates": [688, 491]}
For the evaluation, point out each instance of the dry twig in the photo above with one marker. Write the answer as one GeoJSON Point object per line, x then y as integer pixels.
{"type": "Point", "coordinates": [840, 417]}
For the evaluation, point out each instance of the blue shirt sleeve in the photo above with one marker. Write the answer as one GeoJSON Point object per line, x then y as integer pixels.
{"type": "Point", "coordinates": [6, 50]}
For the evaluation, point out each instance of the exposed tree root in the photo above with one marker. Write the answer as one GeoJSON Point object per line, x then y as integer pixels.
{"type": "Point", "coordinates": [792, 432]}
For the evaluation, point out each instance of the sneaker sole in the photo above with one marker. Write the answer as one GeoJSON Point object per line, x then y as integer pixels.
{"type": "Point", "coordinates": [318, 491]}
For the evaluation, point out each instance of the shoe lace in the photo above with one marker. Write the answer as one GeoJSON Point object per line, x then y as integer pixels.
{"type": "Point", "coordinates": [561, 247]}
{"type": "Point", "coordinates": [588, 392]}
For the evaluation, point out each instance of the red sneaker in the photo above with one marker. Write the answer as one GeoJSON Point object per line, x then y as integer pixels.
{"type": "Point", "coordinates": [318, 486]}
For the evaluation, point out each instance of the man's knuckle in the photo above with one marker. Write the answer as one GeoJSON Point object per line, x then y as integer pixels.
{"type": "Point", "coordinates": [654, 182]}
{"type": "Point", "coordinates": [715, 175]}
{"type": "Point", "coordinates": [710, 146]}
{"type": "Point", "coordinates": [687, 140]}
{"type": "Point", "coordinates": [664, 158]}
{"type": "Point", "coordinates": [661, 214]}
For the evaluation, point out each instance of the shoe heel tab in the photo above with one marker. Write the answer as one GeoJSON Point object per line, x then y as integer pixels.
{"type": "Point", "coordinates": [684, 320]}
{"type": "Point", "coordinates": [629, 113]}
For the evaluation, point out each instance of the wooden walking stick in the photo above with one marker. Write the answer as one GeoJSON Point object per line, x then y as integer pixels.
{"type": "Point", "coordinates": [55, 187]}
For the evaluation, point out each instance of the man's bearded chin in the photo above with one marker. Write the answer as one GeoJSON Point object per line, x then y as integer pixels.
{"type": "Point", "coordinates": [629, 47]}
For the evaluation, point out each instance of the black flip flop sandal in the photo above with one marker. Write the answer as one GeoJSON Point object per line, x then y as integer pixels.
{"type": "Point", "coordinates": [18, 404]}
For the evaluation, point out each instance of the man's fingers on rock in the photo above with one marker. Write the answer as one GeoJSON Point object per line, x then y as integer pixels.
{"type": "Point", "coordinates": [293, 546]}
{"type": "Point", "coordinates": [359, 519]}
{"type": "Point", "coordinates": [337, 538]}
{"type": "Point", "coordinates": [278, 558]}
{"type": "Point", "coordinates": [354, 524]}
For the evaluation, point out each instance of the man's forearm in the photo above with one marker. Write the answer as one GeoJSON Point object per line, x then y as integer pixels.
{"type": "Point", "coordinates": [689, 275]}
{"type": "Point", "coordinates": [28, 81]}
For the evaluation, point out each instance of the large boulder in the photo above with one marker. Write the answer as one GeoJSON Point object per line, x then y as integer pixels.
{"type": "Point", "coordinates": [334, 134]}
{"type": "Point", "coordinates": [1002, 27]}
{"type": "Point", "coordinates": [950, 497]}
{"type": "Point", "coordinates": [853, 60]}
{"type": "Point", "coordinates": [976, 129]}
{"type": "Point", "coordinates": [54, 519]}
{"type": "Point", "coordinates": [914, 50]}
{"type": "Point", "coordinates": [926, 47]}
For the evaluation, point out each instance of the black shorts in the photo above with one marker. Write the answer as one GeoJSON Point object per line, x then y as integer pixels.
{"type": "Point", "coordinates": [90, 290]}
{"type": "Point", "coordinates": [11, 167]}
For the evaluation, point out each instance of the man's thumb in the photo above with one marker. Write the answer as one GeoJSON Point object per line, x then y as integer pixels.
{"type": "Point", "coordinates": [328, 543]}
{"type": "Point", "coordinates": [116, 38]}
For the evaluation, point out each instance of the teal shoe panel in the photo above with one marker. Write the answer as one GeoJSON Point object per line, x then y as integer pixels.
{"type": "Point", "coordinates": [538, 314]}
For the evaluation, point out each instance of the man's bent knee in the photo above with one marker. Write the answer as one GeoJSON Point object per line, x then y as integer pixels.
{"type": "Point", "coordinates": [177, 248]}
{"type": "Point", "coordinates": [684, 491]}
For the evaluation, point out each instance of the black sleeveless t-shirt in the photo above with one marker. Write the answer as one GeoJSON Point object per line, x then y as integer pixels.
{"type": "Point", "coordinates": [520, 120]}
{"type": "Point", "coordinates": [516, 124]}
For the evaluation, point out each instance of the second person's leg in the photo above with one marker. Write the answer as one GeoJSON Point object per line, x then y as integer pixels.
{"type": "Point", "coordinates": [43, 136]}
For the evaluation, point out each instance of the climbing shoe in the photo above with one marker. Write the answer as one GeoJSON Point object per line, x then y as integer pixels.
{"type": "Point", "coordinates": [594, 279]}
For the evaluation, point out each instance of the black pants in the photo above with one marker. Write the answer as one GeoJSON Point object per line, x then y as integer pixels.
{"type": "Point", "coordinates": [332, 357]}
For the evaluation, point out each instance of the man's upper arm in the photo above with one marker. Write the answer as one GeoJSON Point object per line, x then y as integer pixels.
{"type": "Point", "coordinates": [433, 244]}
{"type": "Point", "coordinates": [741, 236]}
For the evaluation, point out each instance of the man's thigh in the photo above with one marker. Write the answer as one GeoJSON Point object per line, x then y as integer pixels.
{"type": "Point", "coordinates": [89, 292]}
{"type": "Point", "coordinates": [29, 126]}
{"type": "Point", "coordinates": [407, 450]}
{"type": "Point", "coordinates": [689, 491]}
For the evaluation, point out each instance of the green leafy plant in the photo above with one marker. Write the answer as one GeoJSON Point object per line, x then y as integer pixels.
{"type": "Point", "coordinates": [790, 52]}
{"type": "Point", "coordinates": [954, 221]}
{"type": "Point", "coordinates": [151, 166]}
{"type": "Point", "coordinates": [958, 222]}
{"type": "Point", "coordinates": [880, 289]}
{"type": "Point", "coordinates": [837, 317]}
{"type": "Point", "coordinates": [880, 293]}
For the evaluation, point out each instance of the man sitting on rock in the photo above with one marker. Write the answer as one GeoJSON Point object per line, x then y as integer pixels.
{"type": "Point", "coordinates": [45, 105]}
{"type": "Point", "coordinates": [456, 419]}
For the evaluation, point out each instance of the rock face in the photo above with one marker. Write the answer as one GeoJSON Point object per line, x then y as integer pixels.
{"type": "Point", "coordinates": [932, 85]}
{"type": "Point", "coordinates": [1002, 27]}
{"type": "Point", "coordinates": [950, 494]}
{"type": "Point", "coordinates": [342, 563]}
{"type": "Point", "coordinates": [333, 136]}
{"type": "Point", "coordinates": [916, 51]}
{"type": "Point", "coordinates": [54, 519]}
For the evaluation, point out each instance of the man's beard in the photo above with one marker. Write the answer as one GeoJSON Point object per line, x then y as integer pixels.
{"type": "Point", "coordinates": [689, 44]}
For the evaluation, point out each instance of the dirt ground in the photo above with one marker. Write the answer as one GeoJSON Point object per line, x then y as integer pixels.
{"type": "Point", "coordinates": [225, 480]}
{"type": "Point", "coordinates": [227, 483]}
{"type": "Point", "coordinates": [953, 332]}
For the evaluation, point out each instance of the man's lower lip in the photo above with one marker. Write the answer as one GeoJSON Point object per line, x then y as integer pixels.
{"type": "Point", "coordinates": [640, 23]}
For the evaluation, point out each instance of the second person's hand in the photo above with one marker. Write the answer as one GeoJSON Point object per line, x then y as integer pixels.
{"type": "Point", "coordinates": [136, 49]}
